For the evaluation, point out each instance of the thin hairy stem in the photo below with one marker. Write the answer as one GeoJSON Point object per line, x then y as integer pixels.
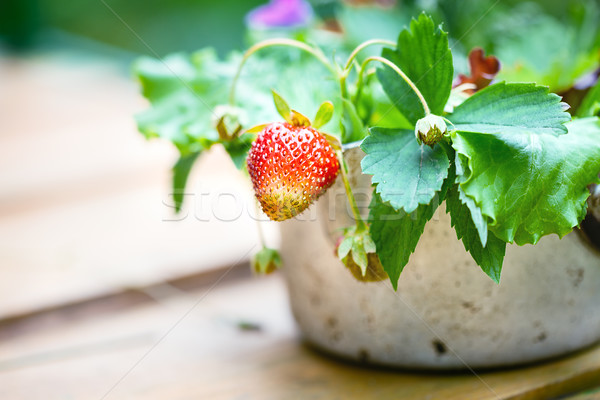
{"type": "Point", "coordinates": [398, 71]}
{"type": "Point", "coordinates": [360, 224]}
{"type": "Point", "coordinates": [277, 42]}
{"type": "Point", "coordinates": [364, 45]}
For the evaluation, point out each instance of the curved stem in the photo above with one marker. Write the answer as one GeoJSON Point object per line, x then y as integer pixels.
{"type": "Point", "coordinates": [398, 71]}
{"type": "Point", "coordinates": [343, 88]}
{"type": "Point", "coordinates": [351, 60]}
{"type": "Point", "coordinates": [277, 42]}
{"type": "Point", "coordinates": [364, 45]}
{"type": "Point", "coordinates": [360, 224]}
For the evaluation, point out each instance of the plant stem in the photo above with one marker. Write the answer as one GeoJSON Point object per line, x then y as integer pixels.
{"type": "Point", "coordinates": [261, 236]}
{"type": "Point", "coordinates": [362, 46]}
{"type": "Point", "coordinates": [352, 57]}
{"type": "Point", "coordinates": [343, 88]}
{"type": "Point", "coordinates": [398, 71]}
{"type": "Point", "coordinates": [360, 224]}
{"type": "Point", "coordinates": [277, 42]}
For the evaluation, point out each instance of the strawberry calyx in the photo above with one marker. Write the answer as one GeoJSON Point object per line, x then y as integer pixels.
{"type": "Point", "coordinates": [430, 129]}
{"type": "Point", "coordinates": [323, 116]}
{"type": "Point", "coordinates": [356, 249]}
{"type": "Point", "coordinates": [228, 121]}
{"type": "Point", "coordinates": [290, 116]}
{"type": "Point", "coordinates": [299, 120]}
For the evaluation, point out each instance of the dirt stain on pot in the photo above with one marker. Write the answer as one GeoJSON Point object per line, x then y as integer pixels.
{"type": "Point", "coordinates": [541, 337]}
{"type": "Point", "coordinates": [332, 322]}
{"type": "Point", "coordinates": [469, 305]}
{"type": "Point", "coordinates": [439, 347]}
{"type": "Point", "coordinates": [576, 275]}
{"type": "Point", "coordinates": [336, 336]}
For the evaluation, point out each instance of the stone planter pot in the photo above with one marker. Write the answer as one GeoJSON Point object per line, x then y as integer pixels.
{"type": "Point", "coordinates": [446, 314]}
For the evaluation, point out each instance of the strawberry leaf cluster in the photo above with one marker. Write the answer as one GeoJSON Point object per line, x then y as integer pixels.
{"type": "Point", "coordinates": [188, 91]}
{"type": "Point", "coordinates": [511, 170]}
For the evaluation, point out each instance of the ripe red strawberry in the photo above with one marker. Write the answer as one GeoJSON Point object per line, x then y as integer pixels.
{"type": "Point", "coordinates": [290, 167]}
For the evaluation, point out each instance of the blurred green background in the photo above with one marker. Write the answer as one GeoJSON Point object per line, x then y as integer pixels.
{"type": "Point", "coordinates": [166, 26]}
{"type": "Point", "coordinates": [552, 42]}
{"type": "Point", "coordinates": [190, 24]}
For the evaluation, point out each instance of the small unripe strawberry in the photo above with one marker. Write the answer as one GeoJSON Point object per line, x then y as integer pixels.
{"type": "Point", "coordinates": [265, 261]}
{"type": "Point", "coordinates": [290, 167]}
{"type": "Point", "coordinates": [430, 129]}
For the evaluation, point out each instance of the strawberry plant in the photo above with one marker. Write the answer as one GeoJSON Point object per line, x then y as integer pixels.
{"type": "Point", "coordinates": [507, 159]}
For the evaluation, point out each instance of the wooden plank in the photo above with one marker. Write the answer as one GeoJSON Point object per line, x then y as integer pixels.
{"type": "Point", "coordinates": [106, 303]}
{"type": "Point", "coordinates": [192, 347]}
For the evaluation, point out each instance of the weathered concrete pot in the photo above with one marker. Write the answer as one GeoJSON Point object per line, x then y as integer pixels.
{"type": "Point", "coordinates": [446, 314]}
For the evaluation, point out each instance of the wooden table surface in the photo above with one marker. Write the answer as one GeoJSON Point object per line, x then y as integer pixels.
{"type": "Point", "coordinates": [103, 297]}
{"type": "Point", "coordinates": [230, 340]}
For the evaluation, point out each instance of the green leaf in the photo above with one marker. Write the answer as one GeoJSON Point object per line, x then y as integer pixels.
{"type": "Point", "coordinates": [238, 149]}
{"type": "Point", "coordinates": [590, 106]}
{"type": "Point", "coordinates": [160, 78]}
{"type": "Point", "coordinates": [479, 221]}
{"type": "Point", "coordinates": [282, 106]}
{"type": "Point", "coordinates": [477, 217]}
{"type": "Point", "coordinates": [529, 185]}
{"type": "Point", "coordinates": [353, 127]}
{"type": "Point", "coordinates": [183, 91]}
{"type": "Point", "coordinates": [489, 256]}
{"type": "Point", "coordinates": [324, 114]}
{"type": "Point", "coordinates": [406, 173]}
{"type": "Point", "coordinates": [181, 171]}
{"type": "Point", "coordinates": [396, 233]}
{"type": "Point", "coordinates": [512, 108]}
{"type": "Point", "coordinates": [424, 56]}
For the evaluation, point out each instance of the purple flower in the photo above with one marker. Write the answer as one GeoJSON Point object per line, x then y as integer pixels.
{"type": "Point", "coordinates": [280, 13]}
